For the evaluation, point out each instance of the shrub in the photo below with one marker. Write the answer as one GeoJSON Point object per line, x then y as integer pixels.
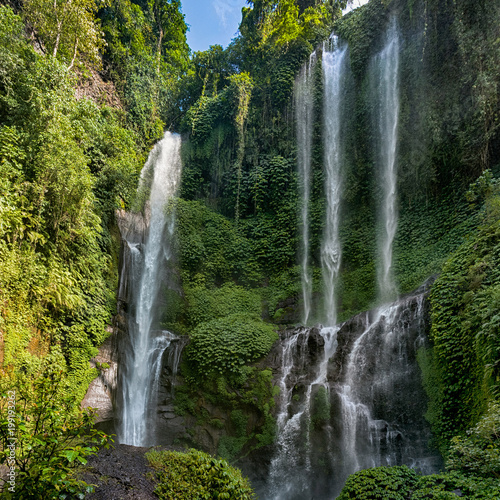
{"type": "Point", "coordinates": [479, 451]}
{"type": "Point", "coordinates": [320, 408]}
{"type": "Point", "coordinates": [446, 486]}
{"type": "Point", "coordinates": [53, 436]}
{"type": "Point", "coordinates": [226, 344]}
{"type": "Point", "coordinates": [394, 483]}
{"type": "Point", "coordinates": [184, 476]}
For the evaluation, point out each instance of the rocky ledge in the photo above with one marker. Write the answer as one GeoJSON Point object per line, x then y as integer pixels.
{"type": "Point", "coordinates": [120, 473]}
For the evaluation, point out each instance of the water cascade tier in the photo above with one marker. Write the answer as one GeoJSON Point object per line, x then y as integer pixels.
{"type": "Point", "coordinates": [334, 65]}
{"type": "Point", "coordinates": [304, 107]}
{"type": "Point", "coordinates": [350, 398]}
{"type": "Point", "coordinates": [146, 253]}
{"type": "Point", "coordinates": [385, 94]}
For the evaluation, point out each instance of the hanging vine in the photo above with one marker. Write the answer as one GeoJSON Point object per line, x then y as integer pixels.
{"type": "Point", "coordinates": [243, 87]}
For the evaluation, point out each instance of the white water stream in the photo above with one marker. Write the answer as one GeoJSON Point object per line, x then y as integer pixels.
{"type": "Point", "coordinates": [291, 468]}
{"type": "Point", "coordinates": [143, 358]}
{"type": "Point", "coordinates": [385, 82]}
{"type": "Point", "coordinates": [350, 398]}
{"type": "Point", "coordinates": [334, 67]}
{"type": "Point", "coordinates": [304, 104]}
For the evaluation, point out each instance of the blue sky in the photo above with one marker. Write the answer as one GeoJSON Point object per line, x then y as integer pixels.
{"type": "Point", "coordinates": [216, 21]}
{"type": "Point", "coordinates": [211, 21]}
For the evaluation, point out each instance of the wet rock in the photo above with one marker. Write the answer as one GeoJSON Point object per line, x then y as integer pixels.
{"type": "Point", "coordinates": [120, 473]}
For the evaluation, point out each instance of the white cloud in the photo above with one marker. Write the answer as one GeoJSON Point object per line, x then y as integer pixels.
{"type": "Point", "coordinates": [226, 9]}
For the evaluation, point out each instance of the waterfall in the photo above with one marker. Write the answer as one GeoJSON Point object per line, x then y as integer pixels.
{"type": "Point", "coordinates": [147, 261]}
{"type": "Point", "coordinates": [379, 392]}
{"type": "Point", "coordinates": [350, 398]}
{"type": "Point", "coordinates": [385, 81]}
{"type": "Point", "coordinates": [304, 104]}
{"type": "Point", "coordinates": [334, 66]}
{"type": "Point", "coordinates": [291, 471]}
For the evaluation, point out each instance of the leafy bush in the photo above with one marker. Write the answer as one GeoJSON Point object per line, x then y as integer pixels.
{"type": "Point", "coordinates": [478, 452]}
{"type": "Point", "coordinates": [208, 304]}
{"type": "Point", "coordinates": [446, 487]}
{"type": "Point", "coordinates": [53, 436]}
{"type": "Point", "coordinates": [320, 414]}
{"type": "Point", "coordinates": [224, 345]}
{"type": "Point", "coordinates": [388, 483]}
{"type": "Point", "coordinates": [401, 483]}
{"type": "Point", "coordinates": [184, 476]}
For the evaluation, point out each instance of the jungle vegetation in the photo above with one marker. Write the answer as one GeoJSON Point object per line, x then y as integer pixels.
{"type": "Point", "coordinates": [69, 158]}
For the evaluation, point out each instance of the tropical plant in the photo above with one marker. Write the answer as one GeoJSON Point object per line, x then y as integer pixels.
{"type": "Point", "coordinates": [45, 436]}
{"type": "Point", "coordinates": [184, 476]}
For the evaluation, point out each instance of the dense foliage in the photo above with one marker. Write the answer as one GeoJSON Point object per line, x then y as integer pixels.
{"type": "Point", "coordinates": [465, 322]}
{"type": "Point", "coordinates": [45, 436]}
{"type": "Point", "coordinates": [67, 162]}
{"type": "Point", "coordinates": [145, 55]}
{"type": "Point", "coordinates": [183, 476]}
{"type": "Point", "coordinates": [56, 275]}
{"type": "Point", "coordinates": [395, 483]}
{"type": "Point", "coordinates": [402, 483]}
{"type": "Point", "coordinates": [66, 165]}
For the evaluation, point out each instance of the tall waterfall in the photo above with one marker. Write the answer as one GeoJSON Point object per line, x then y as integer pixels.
{"type": "Point", "coordinates": [385, 81]}
{"type": "Point", "coordinates": [147, 267]}
{"type": "Point", "coordinates": [304, 104]}
{"type": "Point", "coordinates": [334, 67]}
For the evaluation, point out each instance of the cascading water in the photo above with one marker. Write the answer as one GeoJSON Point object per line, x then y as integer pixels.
{"type": "Point", "coordinates": [379, 392]}
{"type": "Point", "coordinates": [292, 471]}
{"type": "Point", "coordinates": [334, 68]}
{"type": "Point", "coordinates": [304, 104]}
{"type": "Point", "coordinates": [147, 263]}
{"type": "Point", "coordinates": [350, 398]}
{"type": "Point", "coordinates": [351, 395]}
{"type": "Point", "coordinates": [385, 83]}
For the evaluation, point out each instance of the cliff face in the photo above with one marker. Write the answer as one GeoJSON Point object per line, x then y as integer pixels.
{"type": "Point", "coordinates": [101, 390]}
{"type": "Point", "coordinates": [349, 397]}
{"type": "Point", "coordinates": [92, 86]}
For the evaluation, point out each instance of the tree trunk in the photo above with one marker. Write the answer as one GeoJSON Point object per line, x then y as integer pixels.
{"type": "Point", "coordinates": [74, 54]}
{"type": "Point", "coordinates": [160, 39]}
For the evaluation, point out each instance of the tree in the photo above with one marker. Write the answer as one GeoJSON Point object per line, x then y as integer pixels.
{"type": "Point", "coordinates": [67, 28]}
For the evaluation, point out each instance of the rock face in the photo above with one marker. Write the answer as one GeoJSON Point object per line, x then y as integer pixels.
{"type": "Point", "coordinates": [170, 427]}
{"type": "Point", "coordinates": [93, 87]}
{"type": "Point", "coordinates": [361, 405]}
{"type": "Point", "coordinates": [101, 389]}
{"type": "Point", "coordinates": [350, 396]}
